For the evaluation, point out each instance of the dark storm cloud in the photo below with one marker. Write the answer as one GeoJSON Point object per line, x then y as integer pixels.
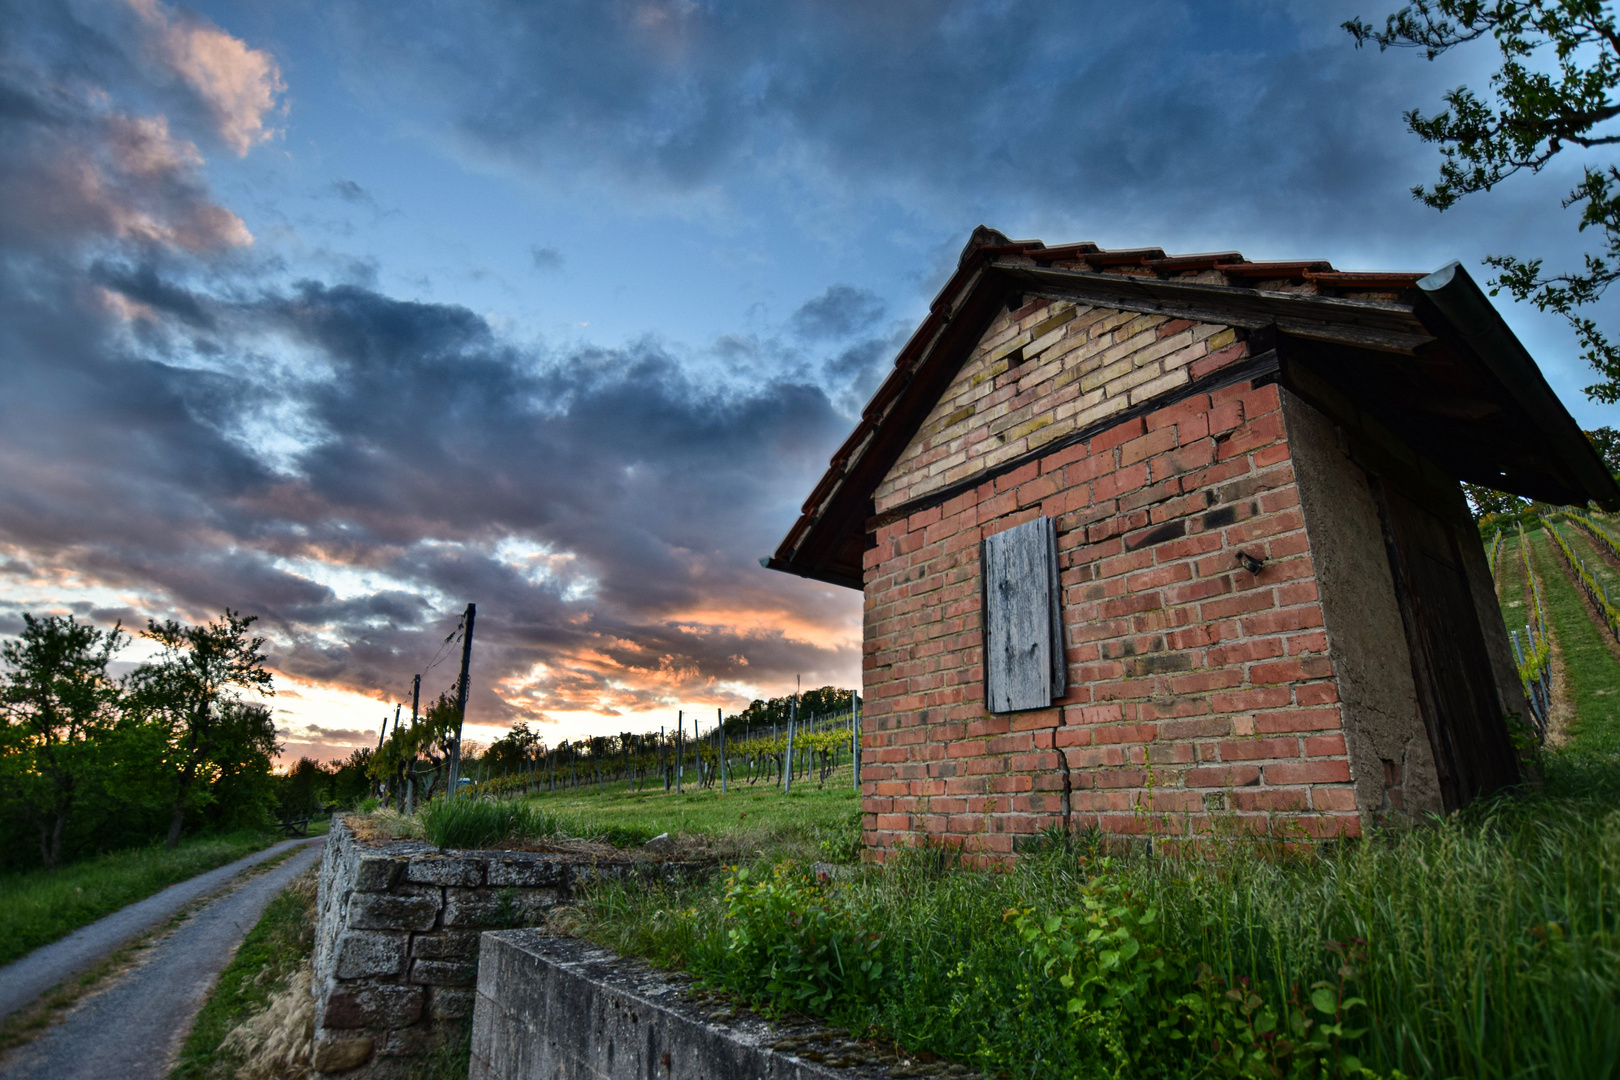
{"type": "Point", "coordinates": [1163, 109]}
{"type": "Point", "coordinates": [605, 510]}
{"type": "Point", "coordinates": [185, 430]}
{"type": "Point", "coordinates": [841, 311]}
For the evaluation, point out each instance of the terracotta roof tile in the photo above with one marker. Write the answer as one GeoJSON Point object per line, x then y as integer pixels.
{"type": "Point", "coordinates": [825, 542]}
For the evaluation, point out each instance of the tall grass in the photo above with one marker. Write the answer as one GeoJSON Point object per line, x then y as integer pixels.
{"type": "Point", "coordinates": [39, 906]}
{"type": "Point", "coordinates": [1492, 943]}
{"type": "Point", "coordinates": [482, 822]}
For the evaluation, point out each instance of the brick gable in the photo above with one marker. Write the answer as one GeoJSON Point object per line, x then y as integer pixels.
{"type": "Point", "coordinates": [1201, 695]}
{"type": "Point", "coordinates": [1044, 372]}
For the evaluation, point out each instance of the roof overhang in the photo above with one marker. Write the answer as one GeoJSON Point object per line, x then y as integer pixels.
{"type": "Point", "coordinates": [1437, 365]}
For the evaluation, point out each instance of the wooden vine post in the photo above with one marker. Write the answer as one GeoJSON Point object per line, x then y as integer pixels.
{"type": "Point", "coordinates": [720, 718]}
{"type": "Point", "coordinates": [787, 756]}
{"type": "Point", "coordinates": [855, 737]}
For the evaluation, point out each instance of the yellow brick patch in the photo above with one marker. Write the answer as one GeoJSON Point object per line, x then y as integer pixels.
{"type": "Point", "coordinates": [992, 412]}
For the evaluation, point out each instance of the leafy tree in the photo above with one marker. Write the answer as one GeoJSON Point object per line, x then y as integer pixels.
{"type": "Point", "coordinates": [241, 789]}
{"type": "Point", "coordinates": [58, 703]}
{"type": "Point", "coordinates": [190, 691]}
{"type": "Point", "coordinates": [824, 701]}
{"type": "Point", "coordinates": [1606, 441]}
{"type": "Point", "coordinates": [302, 787]}
{"type": "Point", "coordinates": [351, 778]}
{"type": "Point", "coordinates": [513, 751]}
{"type": "Point", "coordinates": [1489, 503]}
{"type": "Point", "coordinates": [1533, 116]}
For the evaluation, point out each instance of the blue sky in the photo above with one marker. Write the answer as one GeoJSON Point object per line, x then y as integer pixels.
{"type": "Point", "coordinates": [347, 313]}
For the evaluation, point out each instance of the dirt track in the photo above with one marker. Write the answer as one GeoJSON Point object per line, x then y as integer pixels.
{"type": "Point", "coordinates": [132, 1027]}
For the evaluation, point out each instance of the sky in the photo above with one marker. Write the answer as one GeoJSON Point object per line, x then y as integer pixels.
{"type": "Point", "coordinates": [346, 314]}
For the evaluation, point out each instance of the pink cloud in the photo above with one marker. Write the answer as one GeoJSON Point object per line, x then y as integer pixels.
{"type": "Point", "coordinates": [239, 84]}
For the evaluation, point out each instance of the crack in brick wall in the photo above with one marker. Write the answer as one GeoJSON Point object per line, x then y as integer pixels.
{"type": "Point", "coordinates": [1202, 696]}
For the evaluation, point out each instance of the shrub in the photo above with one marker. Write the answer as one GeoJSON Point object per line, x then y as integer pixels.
{"type": "Point", "coordinates": [795, 943]}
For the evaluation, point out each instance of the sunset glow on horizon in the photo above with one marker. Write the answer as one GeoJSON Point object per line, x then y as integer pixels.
{"type": "Point", "coordinates": [348, 315]}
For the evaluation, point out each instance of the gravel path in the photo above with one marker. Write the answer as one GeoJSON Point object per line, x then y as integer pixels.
{"type": "Point", "coordinates": [23, 981]}
{"type": "Point", "coordinates": [132, 1028]}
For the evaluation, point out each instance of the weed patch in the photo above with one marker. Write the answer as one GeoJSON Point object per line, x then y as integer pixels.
{"type": "Point", "coordinates": [1487, 944]}
{"type": "Point", "coordinates": [483, 822]}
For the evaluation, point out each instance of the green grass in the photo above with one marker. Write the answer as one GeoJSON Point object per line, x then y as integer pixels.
{"type": "Point", "coordinates": [272, 951]}
{"type": "Point", "coordinates": [483, 823]}
{"type": "Point", "coordinates": [451, 1060]}
{"type": "Point", "coordinates": [38, 907]}
{"type": "Point", "coordinates": [1484, 945]}
{"type": "Point", "coordinates": [1493, 948]}
{"type": "Point", "coordinates": [1590, 670]}
{"type": "Point", "coordinates": [1587, 548]}
{"type": "Point", "coordinates": [703, 812]}
{"type": "Point", "coordinates": [814, 822]}
{"type": "Point", "coordinates": [1510, 587]}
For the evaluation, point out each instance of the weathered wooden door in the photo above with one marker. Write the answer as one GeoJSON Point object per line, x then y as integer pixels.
{"type": "Point", "coordinates": [1456, 686]}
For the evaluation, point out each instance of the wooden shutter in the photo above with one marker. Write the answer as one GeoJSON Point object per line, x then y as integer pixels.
{"type": "Point", "coordinates": [1024, 666]}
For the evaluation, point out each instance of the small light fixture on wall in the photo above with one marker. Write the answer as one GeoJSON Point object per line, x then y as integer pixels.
{"type": "Point", "coordinates": [1249, 562]}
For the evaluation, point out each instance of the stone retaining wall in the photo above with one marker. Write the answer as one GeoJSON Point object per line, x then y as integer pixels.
{"type": "Point", "coordinates": [396, 945]}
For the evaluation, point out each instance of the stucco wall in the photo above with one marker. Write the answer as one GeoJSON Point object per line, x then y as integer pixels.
{"type": "Point", "coordinates": [1391, 761]}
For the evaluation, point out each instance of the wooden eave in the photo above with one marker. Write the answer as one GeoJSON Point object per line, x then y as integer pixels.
{"type": "Point", "coordinates": [1437, 365]}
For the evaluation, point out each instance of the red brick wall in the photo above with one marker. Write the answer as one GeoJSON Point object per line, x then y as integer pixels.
{"type": "Point", "coordinates": [1201, 696]}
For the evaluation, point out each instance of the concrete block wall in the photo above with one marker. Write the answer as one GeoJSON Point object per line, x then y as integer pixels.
{"type": "Point", "coordinates": [557, 1007]}
{"type": "Point", "coordinates": [397, 938]}
{"type": "Point", "coordinates": [1202, 696]}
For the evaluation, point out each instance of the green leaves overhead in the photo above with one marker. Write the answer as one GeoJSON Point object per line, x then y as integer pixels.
{"type": "Point", "coordinates": [1555, 89]}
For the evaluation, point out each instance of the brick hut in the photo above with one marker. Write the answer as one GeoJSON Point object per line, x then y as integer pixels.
{"type": "Point", "coordinates": [1170, 544]}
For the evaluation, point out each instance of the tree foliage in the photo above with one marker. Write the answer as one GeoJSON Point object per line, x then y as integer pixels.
{"type": "Point", "coordinates": [1555, 89]}
{"type": "Point", "coordinates": [190, 692]}
{"type": "Point", "coordinates": [1488, 503]}
{"type": "Point", "coordinates": [513, 751]}
{"type": "Point", "coordinates": [1606, 441]}
{"type": "Point", "coordinates": [90, 763]}
{"type": "Point", "coordinates": [59, 704]}
{"type": "Point", "coordinates": [824, 701]}
{"type": "Point", "coordinates": [302, 787]}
